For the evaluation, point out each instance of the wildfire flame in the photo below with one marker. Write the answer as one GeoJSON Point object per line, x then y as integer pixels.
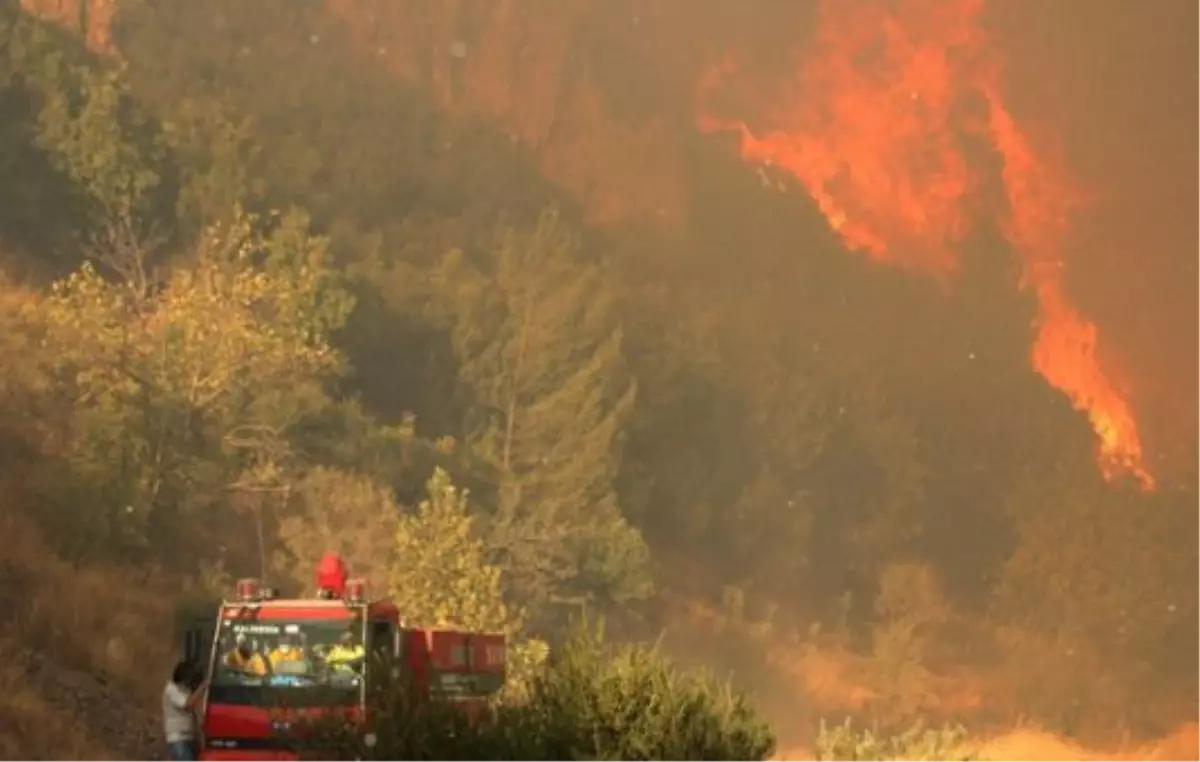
{"type": "Point", "coordinates": [887, 101]}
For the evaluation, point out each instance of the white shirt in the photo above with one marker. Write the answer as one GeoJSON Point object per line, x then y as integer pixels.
{"type": "Point", "coordinates": [179, 724]}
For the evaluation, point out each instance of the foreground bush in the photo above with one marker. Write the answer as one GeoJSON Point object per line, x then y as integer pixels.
{"type": "Point", "coordinates": [590, 703]}
{"type": "Point", "coordinates": [844, 742]}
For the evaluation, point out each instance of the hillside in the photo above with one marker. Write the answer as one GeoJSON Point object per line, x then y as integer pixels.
{"type": "Point", "coordinates": [546, 285]}
{"type": "Point", "coordinates": [83, 655]}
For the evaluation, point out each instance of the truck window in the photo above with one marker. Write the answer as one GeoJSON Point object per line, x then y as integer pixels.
{"type": "Point", "coordinates": [382, 640]}
{"type": "Point", "coordinates": [258, 662]}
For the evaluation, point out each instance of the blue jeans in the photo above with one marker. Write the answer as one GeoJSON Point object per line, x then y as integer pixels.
{"type": "Point", "coordinates": [182, 750]}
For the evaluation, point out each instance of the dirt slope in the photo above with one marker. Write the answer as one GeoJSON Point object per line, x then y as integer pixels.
{"type": "Point", "coordinates": [81, 658]}
{"type": "Point", "coordinates": [48, 711]}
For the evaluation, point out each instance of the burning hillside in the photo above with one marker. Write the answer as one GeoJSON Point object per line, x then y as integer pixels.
{"type": "Point", "coordinates": [879, 125]}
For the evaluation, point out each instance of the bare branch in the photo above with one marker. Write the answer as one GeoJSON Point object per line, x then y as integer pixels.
{"type": "Point", "coordinates": [250, 486]}
{"type": "Point", "coordinates": [126, 248]}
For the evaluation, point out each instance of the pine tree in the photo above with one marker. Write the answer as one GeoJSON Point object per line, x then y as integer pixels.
{"type": "Point", "coordinates": [541, 361]}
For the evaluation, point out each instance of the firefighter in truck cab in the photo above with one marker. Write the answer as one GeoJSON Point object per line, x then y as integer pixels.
{"type": "Point", "coordinates": [346, 655]}
{"type": "Point", "coordinates": [245, 658]}
{"type": "Point", "coordinates": [288, 656]}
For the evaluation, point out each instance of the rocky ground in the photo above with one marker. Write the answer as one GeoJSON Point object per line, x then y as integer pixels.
{"type": "Point", "coordinates": [116, 724]}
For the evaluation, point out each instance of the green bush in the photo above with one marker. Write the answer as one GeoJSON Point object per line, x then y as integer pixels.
{"type": "Point", "coordinates": [591, 702]}
{"type": "Point", "coordinates": [844, 742]}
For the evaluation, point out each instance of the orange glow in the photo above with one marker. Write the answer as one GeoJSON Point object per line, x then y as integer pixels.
{"type": "Point", "coordinates": [94, 16]}
{"type": "Point", "coordinates": [506, 62]}
{"type": "Point", "coordinates": [889, 98]}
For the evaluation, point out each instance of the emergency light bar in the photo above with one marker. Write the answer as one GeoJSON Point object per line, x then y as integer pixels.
{"type": "Point", "coordinates": [247, 589]}
{"type": "Point", "coordinates": [356, 590]}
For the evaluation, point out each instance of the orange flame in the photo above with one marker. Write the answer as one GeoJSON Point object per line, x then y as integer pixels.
{"type": "Point", "coordinates": [1064, 351]}
{"type": "Point", "coordinates": [886, 101]}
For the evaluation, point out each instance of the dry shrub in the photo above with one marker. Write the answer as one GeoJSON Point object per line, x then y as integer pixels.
{"type": "Point", "coordinates": [832, 678]}
{"type": "Point", "coordinates": [1068, 686]}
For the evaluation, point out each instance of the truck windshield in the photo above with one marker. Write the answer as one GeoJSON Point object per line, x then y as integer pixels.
{"type": "Point", "coordinates": [288, 662]}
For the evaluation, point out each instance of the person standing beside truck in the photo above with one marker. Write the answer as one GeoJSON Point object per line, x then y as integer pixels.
{"type": "Point", "coordinates": [181, 695]}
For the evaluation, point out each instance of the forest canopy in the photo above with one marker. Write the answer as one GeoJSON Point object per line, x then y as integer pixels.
{"type": "Point", "coordinates": [252, 313]}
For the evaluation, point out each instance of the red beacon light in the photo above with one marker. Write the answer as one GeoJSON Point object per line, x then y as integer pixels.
{"type": "Point", "coordinates": [331, 576]}
{"type": "Point", "coordinates": [247, 589]}
{"type": "Point", "coordinates": [356, 590]}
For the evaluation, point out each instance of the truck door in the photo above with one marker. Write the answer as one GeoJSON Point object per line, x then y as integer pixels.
{"type": "Point", "coordinates": [384, 665]}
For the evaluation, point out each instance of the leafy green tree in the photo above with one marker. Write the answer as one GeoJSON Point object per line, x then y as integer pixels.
{"type": "Point", "coordinates": [541, 363]}
{"type": "Point", "coordinates": [442, 576]}
{"type": "Point", "coordinates": [95, 134]}
{"type": "Point", "coordinates": [127, 167]}
{"type": "Point", "coordinates": [1097, 598]}
{"type": "Point", "coordinates": [96, 138]}
{"type": "Point", "coordinates": [630, 702]}
{"type": "Point", "coordinates": [215, 159]}
{"type": "Point", "coordinates": [86, 154]}
{"type": "Point", "coordinates": [1088, 560]}
{"type": "Point", "coordinates": [188, 395]}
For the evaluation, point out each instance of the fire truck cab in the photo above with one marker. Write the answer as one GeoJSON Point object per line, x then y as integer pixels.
{"type": "Point", "coordinates": [271, 660]}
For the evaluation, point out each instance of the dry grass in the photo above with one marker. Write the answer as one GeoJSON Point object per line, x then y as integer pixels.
{"type": "Point", "coordinates": [1022, 677]}
{"type": "Point", "coordinates": [97, 617]}
{"type": "Point", "coordinates": [101, 632]}
{"type": "Point", "coordinates": [33, 727]}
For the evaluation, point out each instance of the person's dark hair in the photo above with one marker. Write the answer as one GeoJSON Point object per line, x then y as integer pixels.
{"type": "Point", "coordinates": [186, 673]}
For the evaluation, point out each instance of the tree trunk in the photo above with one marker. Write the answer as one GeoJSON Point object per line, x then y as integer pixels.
{"type": "Point", "coordinates": [510, 418]}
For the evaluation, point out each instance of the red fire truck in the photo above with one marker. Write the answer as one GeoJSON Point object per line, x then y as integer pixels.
{"type": "Point", "coordinates": [273, 660]}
